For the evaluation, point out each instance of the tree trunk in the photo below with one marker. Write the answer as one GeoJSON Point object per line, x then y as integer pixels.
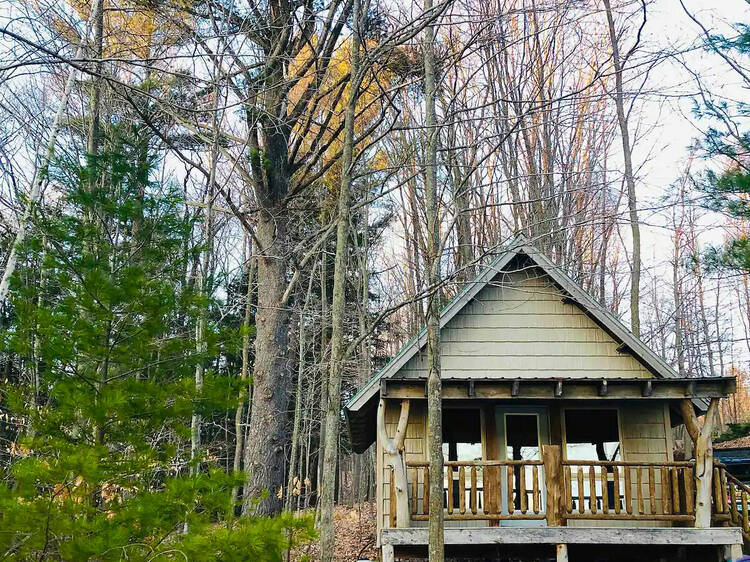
{"type": "Point", "coordinates": [92, 145]}
{"type": "Point", "coordinates": [245, 388]}
{"type": "Point", "coordinates": [298, 400]}
{"type": "Point", "coordinates": [704, 458]}
{"type": "Point", "coordinates": [204, 289]}
{"type": "Point", "coordinates": [434, 391]}
{"type": "Point", "coordinates": [338, 312]}
{"type": "Point", "coordinates": [635, 323]}
{"type": "Point", "coordinates": [393, 450]}
{"type": "Point", "coordinates": [323, 375]}
{"type": "Point", "coordinates": [41, 172]}
{"type": "Point", "coordinates": [271, 373]}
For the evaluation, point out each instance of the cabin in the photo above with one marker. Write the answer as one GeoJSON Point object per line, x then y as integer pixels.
{"type": "Point", "coordinates": [557, 433]}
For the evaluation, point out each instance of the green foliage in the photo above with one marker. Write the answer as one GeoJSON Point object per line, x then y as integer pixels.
{"type": "Point", "coordinates": [103, 322]}
{"type": "Point", "coordinates": [725, 143]}
{"type": "Point", "coordinates": [733, 431]}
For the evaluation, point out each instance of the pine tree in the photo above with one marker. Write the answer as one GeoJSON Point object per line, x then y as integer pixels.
{"type": "Point", "coordinates": [727, 144]}
{"type": "Point", "coordinates": [103, 322]}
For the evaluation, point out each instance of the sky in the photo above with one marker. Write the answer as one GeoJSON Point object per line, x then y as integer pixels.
{"type": "Point", "coordinates": [667, 125]}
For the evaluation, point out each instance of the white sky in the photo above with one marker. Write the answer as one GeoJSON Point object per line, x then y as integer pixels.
{"type": "Point", "coordinates": [663, 151]}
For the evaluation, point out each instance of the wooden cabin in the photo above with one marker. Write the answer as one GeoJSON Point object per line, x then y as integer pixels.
{"type": "Point", "coordinates": [557, 433]}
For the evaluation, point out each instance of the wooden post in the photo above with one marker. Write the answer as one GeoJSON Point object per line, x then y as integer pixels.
{"type": "Point", "coordinates": [388, 554]}
{"type": "Point", "coordinates": [733, 552]}
{"type": "Point", "coordinates": [394, 451]}
{"type": "Point", "coordinates": [552, 458]}
{"type": "Point", "coordinates": [562, 553]}
{"type": "Point", "coordinates": [704, 458]}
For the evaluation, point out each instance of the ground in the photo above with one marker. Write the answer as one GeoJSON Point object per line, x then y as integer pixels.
{"type": "Point", "coordinates": [355, 535]}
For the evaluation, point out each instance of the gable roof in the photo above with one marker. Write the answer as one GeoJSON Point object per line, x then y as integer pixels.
{"type": "Point", "coordinates": [518, 247]}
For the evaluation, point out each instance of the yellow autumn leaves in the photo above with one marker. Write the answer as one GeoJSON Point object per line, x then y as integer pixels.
{"type": "Point", "coordinates": [132, 30]}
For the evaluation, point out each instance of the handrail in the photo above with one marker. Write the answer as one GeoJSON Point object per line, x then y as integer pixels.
{"type": "Point", "coordinates": [629, 490]}
{"type": "Point", "coordinates": [628, 463]}
{"type": "Point", "coordinates": [558, 490]}
{"type": "Point", "coordinates": [731, 499]}
{"type": "Point", "coordinates": [421, 464]}
{"type": "Point", "coordinates": [482, 490]}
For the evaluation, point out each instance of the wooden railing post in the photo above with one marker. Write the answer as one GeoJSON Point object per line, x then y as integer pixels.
{"type": "Point", "coordinates": [552, 457]}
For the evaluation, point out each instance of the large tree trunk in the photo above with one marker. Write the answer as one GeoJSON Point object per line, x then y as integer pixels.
{"type": "Point", "coordinates": [338, 311]}
{"type": "Point", "coordinates": [622, 120]}
{"type": "Point", "coordinates": [92, 144]}
{"type": "Point", "coordinates": [264, 458]}
{"type": "Point", "coordinates": [434, 390]}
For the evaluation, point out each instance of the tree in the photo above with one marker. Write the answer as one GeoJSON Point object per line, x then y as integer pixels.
{"type": "Point", "coordinates": [338, 348]}
{"type": "Point", "coordinates": [619, 61]}
{"type": "Point", "coordinates": [727, 145]}
{"type": "Point", "coordinates": [434, 386]}
{"type": "Point", "coordinates": [96, 473]}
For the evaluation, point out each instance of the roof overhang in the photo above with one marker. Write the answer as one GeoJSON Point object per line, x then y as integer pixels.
{"type": "Point", "coordinates": [568, 389]}
{"type": "Point", "coordinates": [362, 426]}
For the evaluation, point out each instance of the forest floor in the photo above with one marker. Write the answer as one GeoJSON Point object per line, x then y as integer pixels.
{"type": "Point", "coordinates": [355, 535]}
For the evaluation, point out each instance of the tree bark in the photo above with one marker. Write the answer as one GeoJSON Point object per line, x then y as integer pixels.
{"type": "Point", "coordinates": [434, 390]}
{"type": "Point", "coordinates": [271, 373]}
{"type": "Point", "coordinates": [338, 312]}
{"type": "Point", "coordinates": [298, 399]}
{"type": "Point", "coordinates": [92, 145]}
{"type": "Point", "coordinates": [245, 369]}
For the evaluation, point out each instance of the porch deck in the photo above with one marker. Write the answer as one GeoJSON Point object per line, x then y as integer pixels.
{"type": "Point", "coordinates": [562, 537]}
{"type": "Point", "coordinates": [569, 535]}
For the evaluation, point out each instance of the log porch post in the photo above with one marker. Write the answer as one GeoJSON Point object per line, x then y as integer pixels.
{"type": "Point", "coordinates": [704, 458]}
{"type": "Point", "coordinates": [552, 457]}
{"type": "Point", "coordinates": [393, 449]}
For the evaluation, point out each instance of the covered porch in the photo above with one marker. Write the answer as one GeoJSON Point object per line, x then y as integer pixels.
{"type": "Point", "coordinates": [541, 456]}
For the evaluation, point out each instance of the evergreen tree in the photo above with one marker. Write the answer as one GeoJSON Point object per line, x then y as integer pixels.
{"type": "Point", "coordinates": [726, 143]}
{"type": "Point", "coordinates": [102, 322]}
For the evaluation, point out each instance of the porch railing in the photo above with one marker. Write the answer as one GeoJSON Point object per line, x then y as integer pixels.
{"type": "Point", "coordinates": [614, 490]}
{"type": "Point", "coordinates": [731, 500]}
{"type": "Point", "coordinates": [565, 490]}
{"type": "Point", "coordinates": [481, 490]}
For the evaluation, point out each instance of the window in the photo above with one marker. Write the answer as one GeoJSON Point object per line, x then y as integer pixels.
{"type": "Point", "coordinates": [522, 437]}
{"type": "Point", "coordinates": [462, 441]}
{"type": "Point", "coordinates": [462, 434]}
{"type": "Point", "coordinates": [592, 435]}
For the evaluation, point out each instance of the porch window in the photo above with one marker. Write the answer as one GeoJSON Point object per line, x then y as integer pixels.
{"type": "Point", "coordinates": [462, 435]}
{"type": "Point", "coordinates": [593, 435]}
{"type": "Point", "coordinates": [462, 441]}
